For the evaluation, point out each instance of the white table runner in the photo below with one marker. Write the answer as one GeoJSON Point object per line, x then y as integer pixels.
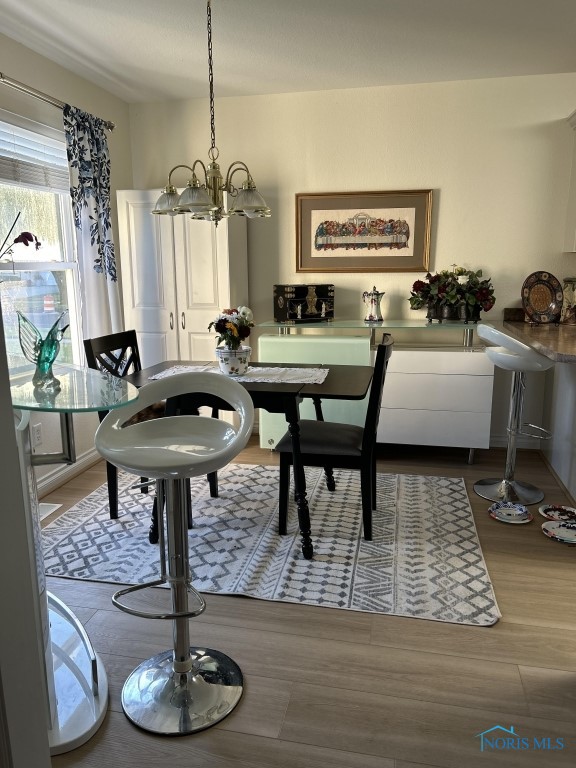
{"type": "Point", "coordinates": [268, 375]}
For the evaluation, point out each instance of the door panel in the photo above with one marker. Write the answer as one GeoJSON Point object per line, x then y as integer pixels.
{"type": "Point", "coordinates": [147, 274]}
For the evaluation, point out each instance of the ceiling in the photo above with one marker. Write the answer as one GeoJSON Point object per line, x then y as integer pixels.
{"type": "Point", "coordinates": [149, 50]}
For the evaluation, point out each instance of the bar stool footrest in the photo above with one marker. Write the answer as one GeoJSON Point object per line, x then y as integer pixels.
{"type": "Point", "coordinates": [147, 615]}
{"type": "Point", "coordinates": [539, 432]}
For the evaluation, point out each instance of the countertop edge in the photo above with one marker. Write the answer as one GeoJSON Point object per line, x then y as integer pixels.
{"type": "Point", "coordinates": [556, 342]}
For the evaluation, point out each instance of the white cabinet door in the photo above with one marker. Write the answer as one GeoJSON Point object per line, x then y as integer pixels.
{"type": "Point", "coordinates": [177, 274]}
{"type": "Point", "coordinates": [147, 274]}
{"type": "Point", "coordinates": [211, 275]}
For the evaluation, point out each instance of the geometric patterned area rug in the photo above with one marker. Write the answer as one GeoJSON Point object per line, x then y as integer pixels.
{"type": "Point", "coordinates": [424, 561]}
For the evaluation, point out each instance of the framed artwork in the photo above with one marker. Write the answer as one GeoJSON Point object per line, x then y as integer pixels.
{"type": "Point", "coordinates": [363, 231]}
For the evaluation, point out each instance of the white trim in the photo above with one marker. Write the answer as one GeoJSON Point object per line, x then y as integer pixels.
{"type": "Point", "coordinates": [49, 133]}
{"type": "Point", "coordinates": [62, 474]}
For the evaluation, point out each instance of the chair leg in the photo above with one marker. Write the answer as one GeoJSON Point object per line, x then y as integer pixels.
{"type": "Point", "coordinates": [153, 530]}
{"type": "Point", "coordinates": [144, 488]}
{"type": "Point", "coordinates": [373, 473]}
{"type": "Point", "coordinates": [112, 478]}
{"type": "Point", "coordinates": [153, 533]}
{"type": "Point", "coordinates": [190, 521]}
{"type": "Point", "coordinates": [213, 483]}
{"type": "Point", "coordinates": [329, 475]}
{"type": "Point", "coordinates": [283, 490]}
{"type": "Point", "coordinates": [366, 486]}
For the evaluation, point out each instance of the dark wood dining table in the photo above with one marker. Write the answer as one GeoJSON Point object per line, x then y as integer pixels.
{"type": "Point", "coordinates": [343, 382]}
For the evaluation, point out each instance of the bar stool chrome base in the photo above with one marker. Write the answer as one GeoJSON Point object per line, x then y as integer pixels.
{"type": "Point", "coordinates": [160, 700]}
{"type": "Point", "coordinates": [508, 490]}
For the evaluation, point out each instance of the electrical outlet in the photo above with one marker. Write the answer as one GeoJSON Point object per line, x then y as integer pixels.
{"type": "Point", "coordinates": [36, 435]}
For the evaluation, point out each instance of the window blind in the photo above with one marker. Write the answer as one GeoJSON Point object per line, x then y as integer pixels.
{"type": "Point", "coordinates": [31, 159]}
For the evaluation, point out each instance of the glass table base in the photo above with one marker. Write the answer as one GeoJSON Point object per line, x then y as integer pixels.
{"type": "Point", "coordinates": [80, 682]}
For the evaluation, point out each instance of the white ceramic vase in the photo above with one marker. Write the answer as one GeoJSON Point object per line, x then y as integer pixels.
{"type": "Point", "coordinates": [233, 362]}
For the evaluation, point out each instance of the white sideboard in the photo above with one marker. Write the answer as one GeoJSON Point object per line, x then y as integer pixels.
{"type": "Point", "coordinates": [438, 387]}
{"type": "Point", "coordinates": [440, 396]}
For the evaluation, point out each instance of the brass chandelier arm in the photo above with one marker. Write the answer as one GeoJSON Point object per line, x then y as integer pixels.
{"type": "Point", "coordinates": [175, 169]}
{"type": "Point", "coordinates": [237, 165]}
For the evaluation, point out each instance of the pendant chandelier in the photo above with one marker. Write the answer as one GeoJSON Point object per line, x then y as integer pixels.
{"type": "Point", "coordinates": [204, 198]}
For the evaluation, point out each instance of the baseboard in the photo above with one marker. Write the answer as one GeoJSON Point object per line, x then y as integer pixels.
{"type": "Point", "coordinates": [62, 474]}
{"type": "Point", "coordinates": [558, 480]}
{"type": "Point", "coordinates": [528, 443]}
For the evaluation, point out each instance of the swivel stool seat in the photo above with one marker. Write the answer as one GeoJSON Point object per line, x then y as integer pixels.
{"type": "Point", "coordinates": [184, 689]}
{"type": "Point", "coordinates": [512, 355]}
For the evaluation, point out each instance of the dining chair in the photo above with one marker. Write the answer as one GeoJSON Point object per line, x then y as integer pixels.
{"type": "Point", "coordinates": [118, 354]}
{"type": "Point", "coordinates": [332, 445]}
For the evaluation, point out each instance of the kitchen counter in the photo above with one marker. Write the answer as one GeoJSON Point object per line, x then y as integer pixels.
{"type": "Point", "coordinates": [557, 342]}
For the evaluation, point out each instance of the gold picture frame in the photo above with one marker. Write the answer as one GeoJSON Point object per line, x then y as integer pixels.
{"type": "Point", "coordinates": [363, 231]}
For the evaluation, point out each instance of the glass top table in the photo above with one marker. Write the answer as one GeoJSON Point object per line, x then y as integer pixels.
{"type": "Point", "coordinates": [82, 389]}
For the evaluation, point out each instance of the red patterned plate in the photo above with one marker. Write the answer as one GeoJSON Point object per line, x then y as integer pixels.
{"type": "Point", "coordinates": [563, 532]}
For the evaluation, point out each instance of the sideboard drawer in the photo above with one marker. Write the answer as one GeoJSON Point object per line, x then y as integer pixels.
{"type": "Point", "coordinates": [419, 427]}
{"type": "Point", "coordinates": [434, 391]}
{"type": "Point", "coordinates": [437, 396]}
{"type": "Point", "coordinates": [471, 362]}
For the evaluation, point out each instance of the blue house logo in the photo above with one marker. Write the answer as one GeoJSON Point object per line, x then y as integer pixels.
{"type": "Point", "coordinates": [497, 733]}
{"type": "Point", "coordinates": [500, 738]}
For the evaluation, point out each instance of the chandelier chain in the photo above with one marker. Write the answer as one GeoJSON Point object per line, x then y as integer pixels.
{"type": "Point", "coordinates": [210, 75]}
{"type": "Point", "coordinates": [204, 198]}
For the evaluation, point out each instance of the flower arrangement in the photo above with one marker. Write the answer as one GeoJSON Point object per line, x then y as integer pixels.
{"type": "Point", "coordinates": [478, 291]}
{"type": "Point", "coordinates": [440, 288]}
{"type": "Point", "coordinates": [456, 287]}
{"type": "Point", "coordinates": [233, 326]}
{"type": "Point", "coordinates": [25, 238]}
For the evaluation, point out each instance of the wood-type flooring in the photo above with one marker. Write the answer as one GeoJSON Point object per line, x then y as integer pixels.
{"type": "Point", "coordinates": [328, 688]}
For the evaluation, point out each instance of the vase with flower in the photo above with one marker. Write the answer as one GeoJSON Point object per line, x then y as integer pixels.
{"type": "Point", "coordinates": [457, 294]}
{"type": "Point", "coordinates": [233, 328]}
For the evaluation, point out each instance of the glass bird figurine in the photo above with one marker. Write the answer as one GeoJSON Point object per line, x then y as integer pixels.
{"type": "Point", "coordinates": [41, 351]}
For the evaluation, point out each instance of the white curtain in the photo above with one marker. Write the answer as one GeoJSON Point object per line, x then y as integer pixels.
{"type": "Point", "coordinates": [89, 165]}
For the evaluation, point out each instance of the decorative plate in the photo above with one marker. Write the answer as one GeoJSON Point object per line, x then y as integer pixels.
{"type": "Point", "coordinates": [508, 512]}
{"type": "Point", "coordinates": [542, 297]}
{"type": "Point", "coordinates": [563, 532]}
{"type": "Point", "coordinates": [558, 512]}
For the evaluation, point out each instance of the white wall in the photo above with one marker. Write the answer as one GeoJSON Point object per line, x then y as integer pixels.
{"type": "Point", "coordinates": [561, 449]}
{"type": "Point", "coordinates": [496, 152]}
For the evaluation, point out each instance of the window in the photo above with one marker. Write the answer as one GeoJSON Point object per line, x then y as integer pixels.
{"type": "Point", "coordinates": [40, 283]}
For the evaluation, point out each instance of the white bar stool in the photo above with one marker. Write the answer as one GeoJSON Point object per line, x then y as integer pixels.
{"type": "Point", "coordinates": [513, 355]}
{"type": "Point", "coordinates": [184, 689]}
